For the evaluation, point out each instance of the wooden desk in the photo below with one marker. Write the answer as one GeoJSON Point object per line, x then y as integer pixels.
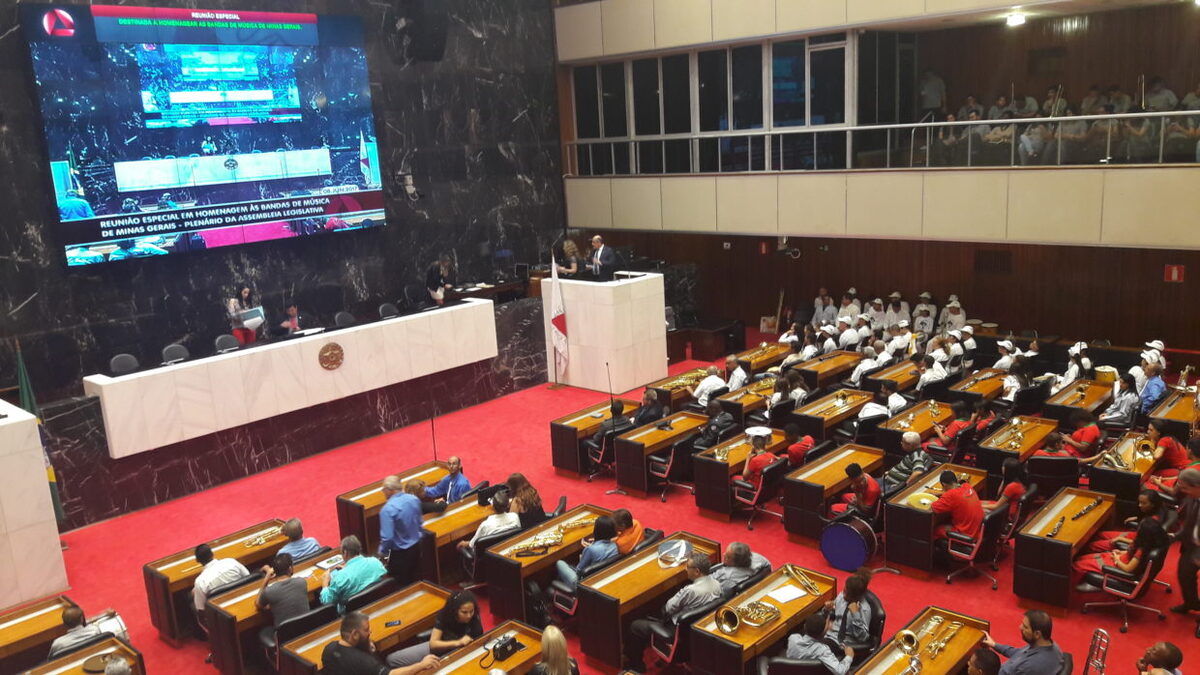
{"type": "Point", "coordinates": [169, 580]}
{"type": "Point", "coordinates": [673, 391]}
{"type": "Point", "coordinates": [611, 598]}
{"type": "Point", "coordinates": [919, 418]}
{"type": "Point", "coordinates": [416, 607]}
{"type": "Point", "coordinates": [26, 633]}
{"type": "Point", "coordinates": [889, 660]}
{"type": "Point", "coordinates": [465, 661]}
{"type": "Point", "coordinates": [712, 475]}
{"type": "Point", "coordinates": [827, 369]}
{"type": "Point", "coordinates": [441, 533]}
{"type": "Point", "coordinates": [820, 417]}
{"type": "Point", "coordinates": [910, 527]}
{"type": "Point", "coordinates": [1178, 410]}
{"type": "Point", "coordinates": [809, 487]}
{"type": "Point", "coordinates": [508, 572]}
{"type": "Point", "coordinates": [634, 446]}
{"type": "Point", "coordinates": [1088, 395]}
{"type": "Point", "coordinates": [72, 664]}
{"type": "Point", "coordinates": [568, 433]}
{"type": "Point", "coordinates": [742, 402]}
{"type": "Point", "coordinates": [717, 653]}
{"type": "Point", "coordinates": [234, 619]}
{"type": "Point", "coordinates": [358, 510]}
{"type": "Point", "coordinates": [1125, 483]}
{"type": "Point", "coordinates": [1043, 563]}
{"type": "Point", "coordinates": [1020, 439]}
{"type": "Point", "coordinates": [903, 374]}
{"type": "Point", "coordinates": [762, 357]}
{"type": "Point", "coordinates": [985, 384]}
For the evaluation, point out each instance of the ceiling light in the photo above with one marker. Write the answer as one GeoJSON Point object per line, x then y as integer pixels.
{"type": "Point", "coordinates": [1018, 18]}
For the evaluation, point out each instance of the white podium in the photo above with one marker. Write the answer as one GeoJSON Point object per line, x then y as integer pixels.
{"type": "Point", "coordinates": [620, 322]}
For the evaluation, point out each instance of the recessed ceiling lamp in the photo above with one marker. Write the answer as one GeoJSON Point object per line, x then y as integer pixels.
{"type": "Point", "coordinates": [1018, 18]}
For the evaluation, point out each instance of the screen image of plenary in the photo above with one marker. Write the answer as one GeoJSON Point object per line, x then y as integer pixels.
{"type": "Point", "coordinates": [174, 130]}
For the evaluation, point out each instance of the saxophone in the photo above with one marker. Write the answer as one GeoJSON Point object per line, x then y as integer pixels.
{"type": "Point", "coordinates": [938, 644]}
{"type": "Point", "coordinates": [264, 536]}
{"type": "Point", "coordinates": [542, 543]}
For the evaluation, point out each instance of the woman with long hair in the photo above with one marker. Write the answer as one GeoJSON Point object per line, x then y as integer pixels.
{"type": "Point", "coordinates": [524, 500]}
{"type": "Point", "coordinates": [601, 549]}
{"type": "Point", "coordinates": [1149, 536]}
{"type": "Point", "coordinates": [243, 300]}
{"type": "Point", "coordinates": [456, 625]}
{"type": "Point", "coordinates": [1015, 486]}
{"type": "Point", "coordinates": [555, 659]}
{"type": "Point", "coordinates": [568, 266]}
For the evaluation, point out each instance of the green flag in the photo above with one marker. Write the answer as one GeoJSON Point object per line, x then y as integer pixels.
{"type": "Point", "coordinates": [29, 403]}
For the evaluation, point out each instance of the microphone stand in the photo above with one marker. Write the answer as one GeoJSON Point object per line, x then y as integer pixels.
{"type": "Point", "coordinates": [433, 430]}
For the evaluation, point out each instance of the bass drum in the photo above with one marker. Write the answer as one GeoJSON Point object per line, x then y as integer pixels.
{"type": "Point", "coordinates": [111, 622]}
{"type": "Point", "coordinates": [848, 544]}
{"type": "Point", "coordinates": [1106, 374]}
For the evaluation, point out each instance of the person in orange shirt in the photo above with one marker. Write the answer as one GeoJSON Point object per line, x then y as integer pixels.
{"type": "Point", "coordinates": [961, 503]}
{"type": "Point", "coordinates": [629, 531]}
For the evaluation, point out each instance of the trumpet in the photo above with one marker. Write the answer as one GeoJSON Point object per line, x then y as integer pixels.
{"type": "Point", "coordinates": [756, 613]}
{"type": "Point", "coordinates": [264, 536]}
{"type": "Point", "coordinates": [798, 575]}
{"type": "Point", "coordinates": [1080, 394]}
{"type": "Point", "coordinates": [722, 454]}
{"type": "Point", "coordinates": [839, 401]}
{"type": "Point", "coordinates": [938, 644]}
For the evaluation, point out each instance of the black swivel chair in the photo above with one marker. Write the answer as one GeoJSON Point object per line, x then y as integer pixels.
{"type": "Point", "coordinates": [697, 408]}
{"type": "Point", "coordinates": [782, 665]}
{"type": "Point", "coordinates": [174, 353]}
{"type": "Point", "coordinates": [603, 455]}
{"type": "Point", "coordinates": [559, 509]}
{"type": "Point", "coordinates": [343, 319]}
{"type": "Point", "coordinates": [1024, 508]}
{"type": "Point", "coordinates": [757, 498]}
{"type": "Point", "coordinates": [864, 430]}
{"type": "Point", "coordinates": [382, 588]}
{"type": "Point", "coordinates": [671, 641]}
{"type": "Point", "coordinates": [226, 343]}
{"type": "Point", "coordinates": [472, 557]}
{"type": "Point", "coordinates": [1053, 473]}
{"type": "Point", "coordinates": [862, 650]}
{"type": "Point", "coordinates": [387, 310]}
{"type": "Point", "coordinates": [271, 637]}
{"type": "Point", "coordinates": [958, 445]}
{"type": "Point", "coordinates": [124, 363]}
{"type": "Point", "coordinates": [968, 550]}
{"type": "Point", "coordinates": [1128, 587]}
{"type": "Point", "coordinates": [672, 464]}
{"type": "Point", "coordinates": [563, 596]}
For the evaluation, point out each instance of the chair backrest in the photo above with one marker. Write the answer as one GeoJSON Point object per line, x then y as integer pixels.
{"type": "Point", "coordinates": [1068, 664]}
{"type": "Point", "coordinates": [237, 583]}
{"type": "Point", "coordinates": [935, 390]}
{"type": "Point", "coordinates": [561, 508]}
{"type": "Point", "coordinates": [174, 353]}
{"type": "Point", "coordinates": [483, 485]}
{"type": "Point", "coordinates": [781, 665]}
{"type": "Point", "coordinates": [387, 310]}
{"type": "Point", "coordinates": [878, 617]}
{"type": "Point", "coordinates": [310, 620]}
{"type": "Point", "coordinates": [123, 363]}
{"type": "Point", "coordinates": [1024, 508]}
{"type": "Point", "coordinates": [1030, 399]}
{"type": "Point", "coordinates": [1053, 473]}
{"type": "Point", "coordinates": [377, 590]}
{"type": "Point", "coordinates": [225, 343]}
{"type": "Point", "coordinates": [866, 428]}
{"type": "Point", "coordinates": [94, 640]}
{"type": "Point", "coordinates": [650, 537]}
{"type": "Point", "coordinates": [777, 417]}
{"type": "Point", "coordinates": [729, 432]}
{"type": "Point", "coordinates": [772, 476]}
{"type": "Point", "coordinates": [818, 450]}
{"type": "Point", "coordinates": [755, 577]}
{"type": "Point", "coordinates": [956, 361]}
{"type": "Point", "coordinates": [343, 319]}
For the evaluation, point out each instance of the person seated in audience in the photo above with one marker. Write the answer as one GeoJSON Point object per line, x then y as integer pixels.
{"type": "Point", "coordinates": [737, 565]}
{"type": "Point", "coordinates": [897, 345]}
{"type": "Point", "coordinates": [795, 356]}
{"type": "Point", "coordinates": [922, 321]}
{"type": "Point", "coordinates": [649, 411]}
{"type": "Point", "coordinates": [945, 150]}
{"type": "Point", "coordinates": [863, 326]}
{"type": "Point", "coordinates": [895, 402]}
{"type": "Point", "coordinates": [1093, 101]}
{"type": "Point", "coordinates": [964, 418]}
{"type": "Point", "coordinates": [970, 105]}
{"type": "Point", "coordinates": [502, 519]}
{"type": "Point", "coordinates": [1170, 456]}
{"type": "Point", "coordinates": [925, 299]}
{"type": "Point", "coordinates": [555, 658]}
{"type": "Point", "coordinates": [1138, 372]}
{"type": "Point", "coordinates": [999, 107]}
{"type": "Point", "coordinates": [961, 504]}
{"type": "Point", "coordinates": [1138, 138]}
{"type": "Point", "coordinates": [1031, 143]}
{"type": "Point", "coordinates": [952, 343]}
{"type": "Point", "coordinates": [897, 309]}
{"type": "Point", "coordinates": [1016, 379]}
{"type": "Point", "coordinates": [453, 485]}
{"type": "Point", "coordinates": [810, 646]}
{"type": "Point", "coordinates": [878, 314]}
{"type": "Point", "coordinates": [701, 590]}
{"type": "Point", "coordinates": [355, 574]}
{"type": "Point", "coordinates": [735, 373]}
{"type": "Point", "coordinates": [797, 446]}
{"type": "Point", "coordinates": [616, 420]}
{"type": "Point", "coordinates": [1084, 441]}
{"type": "Point", "coordinates": [711, 382]}
{"type": "Point", "coordinates": [524, 500]}
{"type": "Point", "coordinates": [1040, 655]}
{"type": "Point", "coordinates": [825, 314]}
{"type": "Point", "coordinates": [1155, 389]}
{"type": "Point", "coordinates": [629, 531]}
{"type": "Point", "coordinates": [863, 496]}
{"type": "Point", "coordinates": [1025, 106]}
{"type": "Point", "coordinates": [1014, 480]}
{"type": "Point", "coordinates": [849, 613]}
{"type": "Point", "coordinates": [284, 595]}
{"type": "Point", "coordinates": [797, 388]}
{"type": "Point", "coordinates": [298, 546]}
{"type": "Point", "coordinates": [984, 416]}
{"type": "Point", "coordinates": [1055, 104]}
{"type": "Point", "coordinates": [1166, 484]}
{"type": "Point", "coordinates": [1006, 355]}
{"type": "Point", "coordinates": [416, 487]}
{"type": "Point", "coordinates": [983, 661]}
{"type": "Point", "coordinates": [849, 306]}
{"type": "Point", "coordinates": [1118, 102]}
{"type": "Point", "coordinates": [1159, 97]}
{"type": "Point", "coordinates": [353, 653]}
{"type": "Point", "coordinates": [931, 371]}
{"type": "Point", "coordinates": [216, 572]}
{"type": "Point", "coordinates": [1191, 100]}
{"type": "Point", "coordinates": [1149, 536]}
{"type": "Point", "coordinates": [911, 466]}
{"type": "Point", "coordinates": [1150, 505]}
{"type": "Point", "coordinates": [882, 356]}
{"type": "Point", "coordinates": [827, 339]}
{"type": "Point", "coordinates": [819, 298]}
{"type": "Point", "coordinates": [718, 421]}
{"type": "Point", "coordinates": [1052, 446]}
{"type": "Point", "coordinates": [791, 335]}
{"type": "Point", "coordinates": [868, 362]}
{"type": "Point", "coordinates": [779, 392]}
{"type": "Point", "coordinates": [601, 549]}
{"type": "Point", "coordinates": [1068, 138]}
{"type": "Point", "coordinates": [1078, 367]}
{"type": "Point", "coordinates": [997, 141]}
{"type": "Point", "coordinates": [1164, 657]}
{"type": "Point", "coordinates": [939, 350]}
{"type": "Point", "coordinates": [757, 460]}
{"type": "Point", "coordinates": [847, 335]}
{"type": "Point", "coordinates": [78, 632]}
{"type": "Point", "coordinates": [876, 407]}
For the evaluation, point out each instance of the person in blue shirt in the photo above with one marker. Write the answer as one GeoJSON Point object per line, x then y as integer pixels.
{"type": "Point", "coordinates": [298, 546]}
{"type": "Point", "coordinates": [452, 487]}
{"type": "Point", "coordinates": [131, 248]}
{"type": "Point", "coordinates": [352, 576]}
{"type": "Point", "coordinates": [601, 548]}
{"type": "Point", "coordinates": [80, 255]}
{"type": "Point", "coordinates": [74, 207]}
{"type": "Point", "coordinates": [1155, 388]}
{"type": "Point", "coordinates": [400, 531]}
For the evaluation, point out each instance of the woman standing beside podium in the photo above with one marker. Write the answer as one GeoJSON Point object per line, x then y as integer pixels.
{"type": "Point", "coordinates": [234, 308]}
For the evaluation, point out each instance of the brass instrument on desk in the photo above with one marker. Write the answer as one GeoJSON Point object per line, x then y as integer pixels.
{"type": "Point", "coordinates": [755, 613]}
{"type": "Point", "coordinates": [1057, 526]}
{"type": "Point", "coordinates": [909, 642]}
{"type": "Point", "coordinates": [797, 575]}
{"type": "Point", "coordinates": [839, 401]}
{"type": "Point", "coordinates": [982, 377]}
{"type": "Point", "coordinates": [1080, 394]}
{"type": "Point", "coordinates": [938, 644]}
{"type": "Point", "coordinates": [762, 348]}
{"type": "Point", "coordinates": [264, 536]}
{"type": "Point", "coordinates": [1183, 377]}
{"type": "Point", "coordinates": [576, 524]}
{"type": "Point", "coordinates": [1112, 456]}
{"type": "Point", "coordinates": [543, 542]}
{"type": "Point", "coordinates": [907, 421]}
{"type": "Point", "coordinates": [935, 410]}
{"type": "Point", "coordinates": [685, 380]}
{"type": "Point", "coordinates": [914, 666]}
{"type": "Point", "coordinates": [1088, 509]}
{"type": "Point", "coordinates": [722, 454]}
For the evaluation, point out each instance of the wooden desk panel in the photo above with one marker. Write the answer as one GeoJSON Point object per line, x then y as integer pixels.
{"type": "Point", "coordinates": [1179, 411]}
{"type": "Point", "coordinates": [919, 418]}
{"type": "Point", "coordinates": [762, 357]}
{"type": "Point", "coordinates": [465, 661]}
{"type": "Point", "coordinates": [820, 417]}
{"type": "Point", "coordinates": [169, 580]}
{"type": "Point", "coordinates": [567, 434]}
{"type": "Point", "coordinates": [712, 475]}
{"type": "Point", "coordinates": [889, 660]}
{"type": "Point", "coordinates": [26, 633]}
{"type": "Point", "coordinates": [986, 383]}
{"type": "Point", "coordinates": [507, 572]}
{"type": "Point", "coordinates": [358, 510]}
{"type": "Point", "coordinates": [1088, 395]}
{"type": "Point", "coordinates": [234, 618]}
{"type": "Point", "coordinates": [910, 527]}
{"type": "Point", "coordinates": [903, 374]}
{"type": "Point", "coordinates": [1019, 438]}
{"type": "Point", "coordinates": [717, 653]}
{"type": "Point", "coordinates": [1124, 483]}
{"type": "Point", "coordinates": [752, 397]}
{"type": "Point", "coordinates": [1043, 563]}
{"type": "Point", "coordinates": [72, 664]}
{"type": "Point", "coordinates": [633, 447]}
{"type": "Point", "coordinates": [673, 391]}
{"type": "Point", "coordinates": [825, 370]}
{"type": "Point", "coordinates": [609, 599]}
{"type": "Point", "coordinates": [809, 487]}
{"type": "Point", "coordinates": [415, 606]}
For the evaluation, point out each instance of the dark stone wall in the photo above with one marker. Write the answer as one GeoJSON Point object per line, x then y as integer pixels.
{"type": "Point", "coordinates": [478, 131]}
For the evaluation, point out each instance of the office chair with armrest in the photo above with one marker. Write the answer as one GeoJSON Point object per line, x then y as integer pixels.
{"type": "Point", "coordinates": [472, 557]}
{"type": "Point", "coordinates": [650, 537]}
{"type": "Point", "coordinates": [695, 406]}
{"type": "Point", "coordinates": [382, 588]}
{"type": "Point", "coordinates": [174, 353]}
{"type": "Point", "coordinates": [564, 598]}
{"type": "Point", "coordinates": [226, 343]}
{"type": "Point", "coordinates": [949, 453]}
{"type": "Point", "coordinates": [1127, 587]}
{"type": "Point", "coordinates": [387, 310]}
{"type": "Point", "coordinates": [603, 455]}
{"type": "Point", "coordinates": [1011, 525]}
{"type": "Point", "coordinates": [820, 449]}
{"type": "Point", "coordinates": [967, 549]}
{"type": "Point", "coordinates": [559, 509]}
{"type": "Point", "coordinates": [482, 485]}
{"type": "Point", "coordinates": [864, 430]}
{"type": "Point", "coordinates": [1053, 473]}
{"type": "Point", "coordinates": [671, 641]}
{"type": "Point", "coordinates": [862, 650]}
{"type": "Point", "coordinates": [90, 642]}
{"type": "Point", "coordinates": [343, 319]}
{"type": "Point", "coordinates": [1030, 400]}
{"type": "Point", "coordinates": [271, 637]}
{"type": "Point", "coordinates": [666, 465]}
{"type": "Point", "coordinates": [756, 498]}
{"type": "Point", "coordinates": [782, 665]}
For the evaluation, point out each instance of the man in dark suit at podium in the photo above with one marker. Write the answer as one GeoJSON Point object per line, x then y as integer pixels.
{"type": "Point", "coordinates": [603, 261]}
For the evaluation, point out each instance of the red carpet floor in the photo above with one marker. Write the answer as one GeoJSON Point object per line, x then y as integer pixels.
{"type": "Point", "coordinates": [512, 434]}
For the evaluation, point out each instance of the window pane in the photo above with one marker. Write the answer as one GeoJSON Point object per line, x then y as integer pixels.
{"type": "Point", "coordinates": [650, 157]}
{"type": "Point", "coordinates": [792, 152]}
{"type": "Point", "coordinates": [621, 158]}
{"type": "Point", "coordinates": [831, 150]}
{"type": "Point", "coordinates": [601, 159]}
{"type": "Point", "coordinates": [747, 87]}
{"type": "Point", "coordinates": [714, 91]}
{"type": "Point", "coordinates": [645, 97]}
{"type": "Point", "coordinates": [828, 86]}
{"type": "Point", "coordinates": [710, 155]}
{"type": "Point", "coordinates": [587, 118]}
{"type": "Point", "coordinates": [678, 156]}
{"type": "Point", "coordinates": [735, 153]}
{"type": "Point", "coordinates": [788, 83]}
{"type": "Point", "coordinates": [677, 94]}
{"type": "Point", "coordinates": [612, 85]}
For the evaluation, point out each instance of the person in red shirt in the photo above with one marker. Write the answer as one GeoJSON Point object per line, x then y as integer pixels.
{"type": "Point", "coordinates": [1014, 488]}
{"type": "Point", "coordinates": [1150, 536]}
{"type": "Point", "coordinates": [1052, 446]}
{"type": "Point", "coordinates": [960, 502]}
{"type": "Point", "coordinates": [1149, 504]}
{"type": "Point", "coordinates": [1169, 455]}
{"type": "Point", "coordinates": [797, 447]}
{"type": "Point", "coordinates": [945, 435]}
{"type": "Point", "coordinates": [1084, 441]}
{"type": "Point", "coordinates": [756, 461]}
{"type": "Point", "coordinates": [1167, 484]}
{"type": "Point", "coordinates": [863, 495]}
{"type": "Point", "coordinates": [984, 415]}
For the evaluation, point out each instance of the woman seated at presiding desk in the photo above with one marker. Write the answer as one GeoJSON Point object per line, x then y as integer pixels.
{"type": "Point", "coordinates": [456, 625]}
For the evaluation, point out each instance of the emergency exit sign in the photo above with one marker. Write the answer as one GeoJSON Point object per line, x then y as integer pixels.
{"type": "Point", "coordinates": [1173, 274]}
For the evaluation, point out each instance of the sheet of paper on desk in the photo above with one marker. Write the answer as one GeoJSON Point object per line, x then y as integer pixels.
{"type": "Point", "coordinates": [304, 574]}
{"type": "Point", "coordinates": [786, 593]}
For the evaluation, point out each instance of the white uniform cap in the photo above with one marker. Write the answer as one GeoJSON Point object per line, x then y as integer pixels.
{"type": "Point", "coordinates": [953, 298]}
{"type": "Point", "coordinates": [925, 294]}
{"type": "Point", "coordinates": [845, 319]}
{"type": "Point", "coordinates": [895, 295]}
{"type": "Point", "coordinates": [828, 330]}
{"type": "Point", "coordinates": [758, 431]}
{"type": "Point", "coordinates": [1006, 344]}
{"type": "Point", "coordinates": [953, 303]}
{"type": "Point", "coordinates": [852, 291]}
{"type": "Point", "coordinates": [864, 316]}
{"type": "Point", "coordinates": [968, 329]}
{"type": "Point", "coordinates": [1156, 344]}
{"type": "Point", "coordinates": [903, 323]}
{"type": "Point", "coordinates": [877, 301]}
{"type": "Point", "coordinates": [955, 334]}
{"type": "Point", "coordinates": [1074, 350]}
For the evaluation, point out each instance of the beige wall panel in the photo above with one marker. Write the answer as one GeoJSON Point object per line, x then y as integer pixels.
{"type": "Point", "coordinates": [859, 11]}
{"type": "Point", "coordinates": [748, 204]}
{"type": "Point", "coordinates": [947, 6]}
{"type": "Point", "coordinates": [589, 203]}
{"type": "Point", "coordinates": [628, 26]}
{"type": "Point", "coordinates": [735, 19]}
{"type": "Point", "coordinates": [883, 204]}
{"type": "Point", "coordinates": [682, 22]}
{"type": "Point", "coordinates": [636, 204]}
{"type": "Point", "coordinates": [812, 204]}
{"type": "Point", "coordinates": [802, 15]}
{"type": "Point", "coordinates": [1151, 207]}
{"type": "Point", "coordinates": [578, 31]}
{"type": "Point", "coordinates": [689, 204]}
{"type": "Point", "coordinates": [969, 205]}
{"type": "Point", "coordinates": [1059, 206]}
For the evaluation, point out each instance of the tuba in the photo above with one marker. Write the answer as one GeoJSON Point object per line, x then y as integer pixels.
{"type": "Point", "coordinates": [264, 536]}
{"type": "Point", "coordinates": [730, 618]}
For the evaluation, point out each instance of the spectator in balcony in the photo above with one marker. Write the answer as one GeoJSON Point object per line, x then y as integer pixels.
{"type": "Point", "coordinates": [1159, 97]}
{"type": "Point", "coordinates": [969, 104]}
{"type": "Point", "coordinates": [1031, 143]}
{"type": "Point", "coordinates": [1119, 100]}
{"type": "Point", "coordinates": [1025, 106]}
{"type": "Point", "coordinates": [1093, 103]}
{"type": "Point", "coordinates": [1191, 100]}
{"type": "Point", "coordinates": [1001, 106]}
{"type": "Point", "coordinates": [932, 90]}
{"type": "Point", "coordinates": [997, 141]}
{"type": "Point", "coordinates": [1055, 104]}
{"type": "Point", "coordinates": [1071, 135]}
{"type": "Point", "coordinates": [1138, 144]}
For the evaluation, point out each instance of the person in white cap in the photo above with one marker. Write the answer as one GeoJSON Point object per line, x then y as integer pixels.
{"type": "Point", "coordinates": [1078, 365]}
{"type": "Point", "coordinates": [923, 321]}
{"type": "Point", "coordinates": [926, 301]}
{"type": "Point", "coordinates": [878, 314]}
{"type": "Point", "coordinates": [1157, 355]}
{"type": "Point", "coordinates": [969, 346]}
{"type": "Point", "coordinates": [1006, 355]}
{"type": "Point", "coordinates": [849, 306]}
{"type": "Point", "coordinates": [864, 329]}
{"type": "Point", "coordinates": [869, 362]}
{"type": "Point", "coordinates": [953, 316]}
{"type": "Point", "coordinates": [829, 345]}
{"type": "Point", "coordinates": [847, 336]}
{"type": "Point", "coordinates": [897, 310]}
{"type": "Point", "coordinates": [1139, 372]}
{"type": "Point", "coordinates": [1157, 345]}
{"type": "Point", "coordinates": [901, 338]}
{"type": "Point", "coordinates": [826, 314]}
{"type": "Point", "coordinates": [819, 300]}
{"type": "Point", "coordinates": [1016, 379]}
{"type": "Point", "coordinates": [955, 349]}
{"type": "Point", "coordinates": [941, 316]}
{"type": "Point", "coordinates": [931, 371]}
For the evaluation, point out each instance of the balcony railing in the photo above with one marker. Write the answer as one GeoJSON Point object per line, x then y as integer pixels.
{"type": "Point", "coordinates": [1083, 140]}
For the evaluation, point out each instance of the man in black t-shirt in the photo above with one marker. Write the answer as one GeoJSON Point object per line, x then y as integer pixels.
{"type": "Point", "coordinates": [354, 653]}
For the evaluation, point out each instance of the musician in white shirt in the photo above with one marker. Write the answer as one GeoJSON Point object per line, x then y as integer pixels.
{"type": "Point", "coordinates": [712, 382]}
{"type": "Point", "coordinates": [869, 362]}
{"type": "Point", "coordinates": [955, 349]}
{"type": "Point", "coordinates": [1005, 361]}
{"type": "Point", "coordinates": [895, 402]}
{"type": "Point", "coordinates": [937, 349]}
{"type": "Point", "coordinates": [882, 356]}
{"type": "Point", "coordinates": [931, 371]}
{"type": "Point", "coordinates": [829, 345]}
{"type": "Point", "coordinates": [1016, 379]}
{"type": "Point", "coordinates": [898, 345]}
{"type": "Point", "coordinates": [737, 375]}
{"type": "Point", "coordinates": [847, 336]}
{"type": "Point", "coordinates": [923, 321]}
{"type": "Point", "coordinates": [897, 310]}
{"type": "Point", "coordinates": [819, 300]}
{"type": "Point", "coordinates": [878, 314]}
{"type": "Point", "coordinates": [953, 317]}
{"type": "Point", "coordinates": [850, 306]}
{"type": "Point", "coordinates": [216, 572]}
{"type": "Point", "coordinates": [926, 301]}
{"type": "Point", "coordinates": [792, 334]}
{"type": "Point", "coordinates": [825, 314]}
{"type": "Point", "coordinates": [968, 345]}
{"type": "Point", "coordinates": [876, 407]}
{"type": "Point", "coordinates": [798, 390]}
{"type": "Point", "coordinates": [864, 329]}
